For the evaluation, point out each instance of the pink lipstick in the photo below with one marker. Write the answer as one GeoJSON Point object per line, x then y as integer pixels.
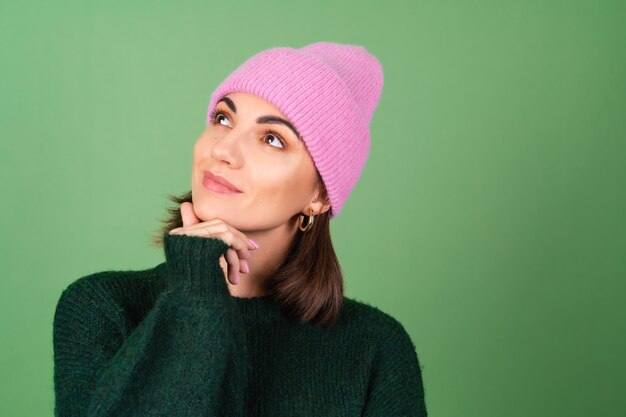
{"type": "Point", "coordinates": [218, 184]}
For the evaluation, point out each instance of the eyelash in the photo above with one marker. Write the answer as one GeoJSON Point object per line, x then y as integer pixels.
{"type": "Point", "coordinates": [214, 113]}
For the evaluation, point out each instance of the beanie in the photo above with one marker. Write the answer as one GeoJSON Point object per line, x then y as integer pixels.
{"type": "Point", "coordinates": [329, 92]}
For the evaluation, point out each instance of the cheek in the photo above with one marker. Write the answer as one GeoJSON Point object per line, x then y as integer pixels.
{"type": "Point", "coordinates": [282, 188]}
{"type": "Point", "coordinates": [200, 149]}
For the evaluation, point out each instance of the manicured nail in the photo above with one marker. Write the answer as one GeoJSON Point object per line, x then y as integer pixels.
{"type": "Point", "coordinates": [256, 245]}
{"type": "Point", "coordinates": [237, 279]}
{"type": "Point", "coordinates": [246, 266]}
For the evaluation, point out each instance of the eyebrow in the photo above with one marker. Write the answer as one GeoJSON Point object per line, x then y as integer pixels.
{"type": "Point", "coordinates": [263, 119]}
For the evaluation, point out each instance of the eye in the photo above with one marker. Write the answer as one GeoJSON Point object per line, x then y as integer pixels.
{"type": "Point", "coordinates": [273, 135]}
{"type": "Point", "coordinates": [215, 114]}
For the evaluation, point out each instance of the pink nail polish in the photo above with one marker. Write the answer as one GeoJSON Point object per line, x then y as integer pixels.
{"type": "Point", "coordinates": [246, 266]}
{"type": "Point", "coordinates": [256, 245]}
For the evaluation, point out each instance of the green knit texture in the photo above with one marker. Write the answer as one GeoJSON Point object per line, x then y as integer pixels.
{"type": "Point", "coordinates": [172, 341]}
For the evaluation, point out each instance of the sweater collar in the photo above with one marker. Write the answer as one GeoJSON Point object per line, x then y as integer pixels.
{"type": "Point", "coordinates": [255, 310]}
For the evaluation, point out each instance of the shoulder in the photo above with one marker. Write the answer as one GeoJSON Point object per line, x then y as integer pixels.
{"type": "Point", "coordinates": [99, 285]}
{"type": "Point", "coordinates": [395, 384]}
{"type": "Point", "coordinates": [104, 292]}
{"type": "Point", "coordinates": [373, 316]}
{"type": "Point", "coordinates": [379, 324]}
{"type": "Point", "coordinates": [394, 344]}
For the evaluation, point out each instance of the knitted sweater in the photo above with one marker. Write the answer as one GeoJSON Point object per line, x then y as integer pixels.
{"type": "Point", "coordinates": [172, 341]}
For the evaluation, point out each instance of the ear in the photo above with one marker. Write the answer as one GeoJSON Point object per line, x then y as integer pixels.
{"type": "Point", "coordinates": [322, 209]}
{"type": "Point", "coordinates": [318, 204]}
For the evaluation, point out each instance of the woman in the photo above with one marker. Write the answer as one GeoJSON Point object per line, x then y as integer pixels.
{"type": "Point", "coordinates": [246, 316]}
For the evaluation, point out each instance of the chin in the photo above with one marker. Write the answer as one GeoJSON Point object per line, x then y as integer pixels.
{"type": "Point", "coordinates": [208, 210]}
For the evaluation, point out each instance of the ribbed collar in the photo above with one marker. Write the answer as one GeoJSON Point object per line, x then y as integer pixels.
{"type": "Point", "coordinates": [254, 310]}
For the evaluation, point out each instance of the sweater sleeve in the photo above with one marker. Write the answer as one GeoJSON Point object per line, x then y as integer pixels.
{"type": "Point", "coordinates": [187, 357]}
{"type": "Point", "coordinates": [395, 386]}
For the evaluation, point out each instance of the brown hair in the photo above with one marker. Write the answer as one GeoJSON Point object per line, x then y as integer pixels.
{"type": "Point", "coordinates": [308, 285]}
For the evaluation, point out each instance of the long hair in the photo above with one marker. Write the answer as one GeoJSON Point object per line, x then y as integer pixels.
{"type": "Point", "coordinates": [308, 285]}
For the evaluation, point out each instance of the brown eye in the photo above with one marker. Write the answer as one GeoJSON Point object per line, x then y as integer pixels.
{"type": "Point", "coordinates": [215, 116]}
{"type": "Point", "coordinates": [277, 139]}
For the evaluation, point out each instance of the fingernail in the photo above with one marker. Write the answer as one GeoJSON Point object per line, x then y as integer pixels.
{"type": "Point", "coordinates": [256, 245]}
{"type": "Point", "coordinates": [246, 266]}
{"type": "Point", "coordinates": [237, 279]}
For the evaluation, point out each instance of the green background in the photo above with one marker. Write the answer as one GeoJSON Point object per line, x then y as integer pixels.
{"type": "Point", "coordinates": [489, 219]}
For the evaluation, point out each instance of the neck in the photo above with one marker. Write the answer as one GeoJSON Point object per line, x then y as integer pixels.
{"type": "Point", "coordinates": [274, 244]}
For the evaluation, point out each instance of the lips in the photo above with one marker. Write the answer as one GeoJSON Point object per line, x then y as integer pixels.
{"type": "Point", "coordinates": [220, 180]}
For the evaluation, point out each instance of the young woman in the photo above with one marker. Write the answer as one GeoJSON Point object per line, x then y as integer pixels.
{"type": "Point", "coordinates": [246, 316]}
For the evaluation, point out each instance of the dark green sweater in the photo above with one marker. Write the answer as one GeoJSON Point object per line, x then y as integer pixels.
{"type": "Point", "coordinates": [172, 341]}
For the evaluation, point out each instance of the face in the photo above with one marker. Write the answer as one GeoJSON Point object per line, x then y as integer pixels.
{"type": "Point", "coordinates": [264, 159]}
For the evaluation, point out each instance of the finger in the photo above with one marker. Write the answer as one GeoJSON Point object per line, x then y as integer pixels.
{"type": "Point", "coordinates": [219, 230]}
{"type": "Point", "coordinates": [224, 266]}
{"type": "Point", "coordinates": [226, 234]}
{"type": "Point", "coordinates": [197, 229]}
{"type": "Point", "coordinates": [217, 226]}
{"type": "Point", "coordinates": [247, 244]}
{"type": "Point", "coordinates": [243, 237]}
{"type": "Point", "coordinates": [244, 267]}
{"type": "Point", "coordinates": [188, 214]}
{"type": "Point", "coordinates": [233, 266]}
{"type": "Point", "coordinates": [237, 243]}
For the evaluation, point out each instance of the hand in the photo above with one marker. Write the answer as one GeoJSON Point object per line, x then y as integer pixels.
{"type": "Point", "coordinates": [239, 244]}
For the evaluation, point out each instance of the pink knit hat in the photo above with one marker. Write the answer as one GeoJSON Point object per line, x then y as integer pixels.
{"type": "Point", "coordinates": [329, 92]}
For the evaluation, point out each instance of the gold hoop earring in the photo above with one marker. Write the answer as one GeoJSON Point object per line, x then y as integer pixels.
{"type": "Point", "coordinates": [309, 223]}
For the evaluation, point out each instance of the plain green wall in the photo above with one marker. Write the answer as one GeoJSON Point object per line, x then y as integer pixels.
{"type": "Point", "coordinates": [489, 219]}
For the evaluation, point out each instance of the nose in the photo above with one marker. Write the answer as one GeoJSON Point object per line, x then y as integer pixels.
{"type": "Point", "coordinates": [226, 148]}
